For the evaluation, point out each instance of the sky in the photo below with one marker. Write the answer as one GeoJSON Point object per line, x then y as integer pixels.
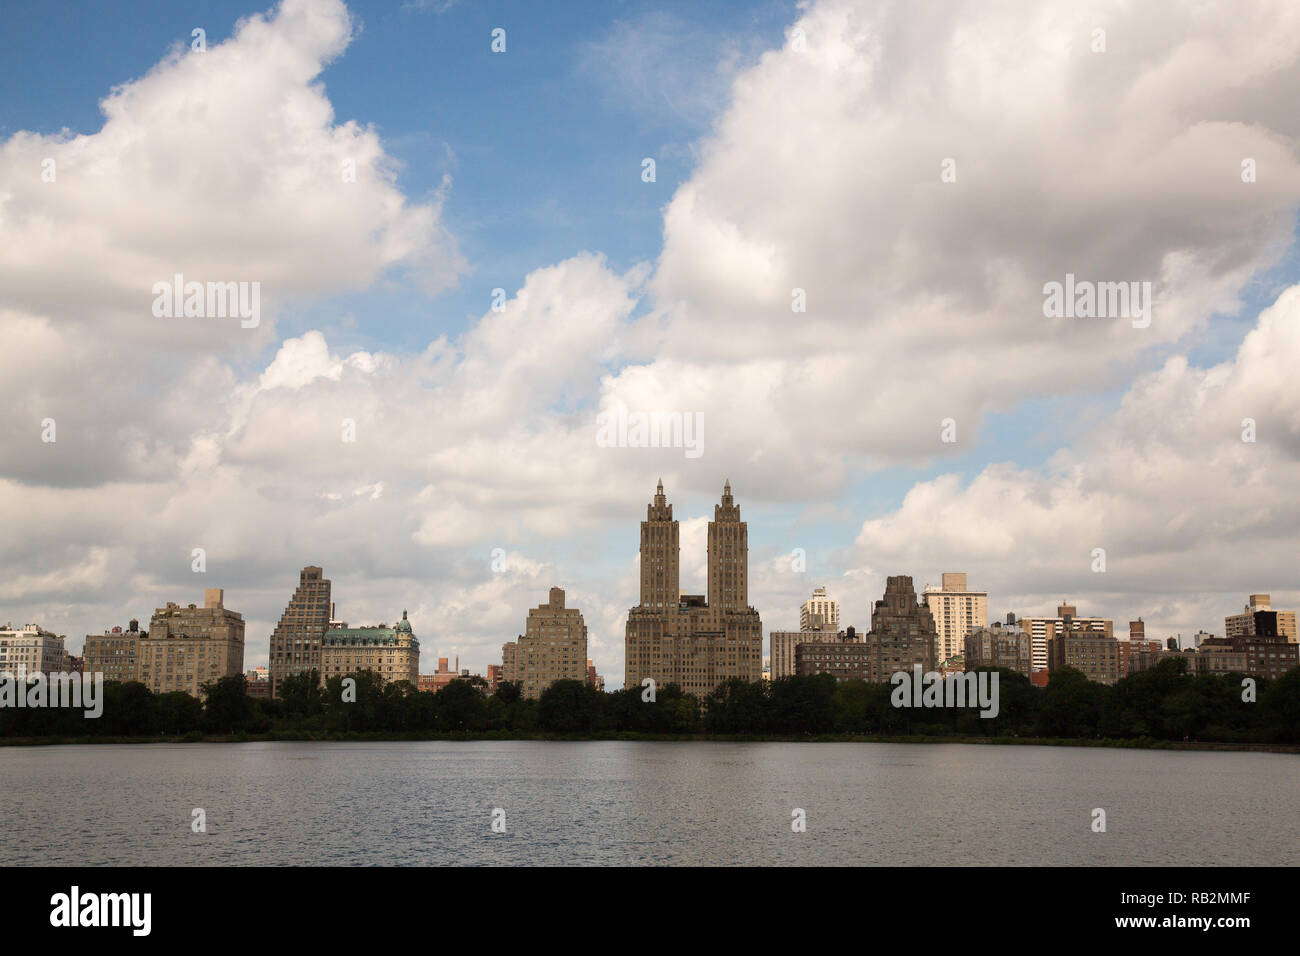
{"type": "Point", "coordinates": [839, 265]}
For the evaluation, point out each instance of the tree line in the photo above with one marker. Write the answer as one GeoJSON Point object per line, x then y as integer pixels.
{"type": "Point", "coordinates": [1163, 703]}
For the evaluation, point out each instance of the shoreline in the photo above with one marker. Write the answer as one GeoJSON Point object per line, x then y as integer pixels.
{"type": "Point", "coordinates": [1141, 743]}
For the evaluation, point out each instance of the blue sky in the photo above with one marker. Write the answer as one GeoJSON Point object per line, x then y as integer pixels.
{"type": "Point", "coordinates": [544, 144]}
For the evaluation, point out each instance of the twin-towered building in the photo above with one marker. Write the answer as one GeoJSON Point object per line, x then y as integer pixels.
{"type": "Point", "coordinates": [694, 640]}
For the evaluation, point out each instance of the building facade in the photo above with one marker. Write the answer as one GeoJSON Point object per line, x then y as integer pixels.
{"type": "Point", "coordinates": [957, 610]}
{"type": "Point", "coordinates": [1096, 655]}
{"type": "Point", "coordinates": [510, 662]}
{"type": "Point", "coordinates": [820, 613]}
{"type": "Point", "coordinates": [1244, 624]}
{"type": "Point", "coordinates": [1265, 653]}
{"type": "Point", "coordinates": [296, 640]}
{"type": "Point", "coordinates": [553, 646]}
{"type": "Point", "coordinates": [187, 647]}
{"type": "Point", "coordinates": [1002, 645]}
{"type": "Point", "coordinates": [114, 653]}
{"type": "Point", "coordinates": [902, 632]}
{"type": "Point", "coordinates": [30, 648]}
{"type": "Point", "coordinates": [1043, 629]}
{"type": "Point", "coordinates": [844, 656]}
{"type": "Point", "coordinates": [1135, 654]}
{"type": "Point", "coordinates": [695, 641]}
{"type": "Point", "coordinates": [391, 652]}
{"type": "Point", "coordinates": [258, 682]}
{"type": "Point", "coordinates": [440, 678]}
{"type": "Point", "coordinates": [781, 648]}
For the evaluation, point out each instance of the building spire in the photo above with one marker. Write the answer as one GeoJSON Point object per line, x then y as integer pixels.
{"type": "Point", "coordinates": [660, 501]}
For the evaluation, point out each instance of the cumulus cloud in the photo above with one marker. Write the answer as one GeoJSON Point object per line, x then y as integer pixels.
{"type": "Point", "coordinates": [400, 471]}
{"type": "Point", "coordinates": [1188, 487]}
{"type": "Point", "coordinates": [925, 297]}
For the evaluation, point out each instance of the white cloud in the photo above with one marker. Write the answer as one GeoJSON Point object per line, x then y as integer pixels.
{"type": "Point", "coordinates": [924, 302]}
{"type": "Point", "coordinates": [1191, 517]}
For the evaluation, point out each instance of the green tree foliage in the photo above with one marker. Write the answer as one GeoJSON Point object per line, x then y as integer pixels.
{"type": "Point", "coordinates": [227, 708]}
{"type": "Point", "coordinates": [1164, 703]}
{"type": "Point", "coordinates": [569, 707]}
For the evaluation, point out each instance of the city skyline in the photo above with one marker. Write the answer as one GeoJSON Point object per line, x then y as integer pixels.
{"type": "Point", "coordinates": [463, 261]}
{"type": "Point", "coordinates": [309, 618]}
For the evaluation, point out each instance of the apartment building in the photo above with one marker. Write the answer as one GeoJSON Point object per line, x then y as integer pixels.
{"type": "Point", "coordinates": [957, 610]}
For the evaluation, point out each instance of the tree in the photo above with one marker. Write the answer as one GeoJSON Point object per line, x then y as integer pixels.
{"type": "Point", "coordinates": [1071, 705]}
{"type": "Point", "coordinates": [460, 707]}
{"type": "Point", "coordinates": [178, 713]}
{"type": "Point", "coordinates": [1280, 703]}
{"type": "Point", "coordinates": [301, 694]}
{"type": "Point", "coordinates": [227, 708]}
{"type": "Point", "coordinates": [569, 707]}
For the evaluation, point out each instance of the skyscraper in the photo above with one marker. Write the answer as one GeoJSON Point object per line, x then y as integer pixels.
{"type": "Point", "coordinates": [660, 554]}
{"type": "Point", "coordinates": [902, 632]}
{"type": "Point", "coordinates": [553, 646]}
{"type": "Point", "coordinates": [957, 611]}
{"type": "Point", "coordinates": [728, 557]}
{"type": "Point", "coordinates": [296, 640]}
{"type": "Point", "coordinates": [690, 639]}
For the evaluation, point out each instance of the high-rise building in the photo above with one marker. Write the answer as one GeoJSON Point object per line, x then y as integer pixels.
{"type": "Point", "coordinates": [902, 632]}
{"type": "Point", "coordinates": [695, 641]}
{"type": "Point", "coordinates": [1042, 629]}
{"type": "Point", "coordinates": [781, 647]}
{"type": "Point", "coordinates": [553, 646]}
{"type": "Point", "coordinates": [187, 647]}
{"type": "Point", "coordinates": [31, 647]}
{"type": "Point", "coordinates": [391, 652]}
{"type": "Point", "coordinates": [296, 640]}
{"type": "Point", "coordinates": [114, 653]}
{"type": "Point", "coordinates": [820, 613]}
{"type": "Point", "coordinates": [957, 610]}
{"type": "Point", "coordinates": [510, 662]}
{"type": "Point", "coordinates": [1244, 624]}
